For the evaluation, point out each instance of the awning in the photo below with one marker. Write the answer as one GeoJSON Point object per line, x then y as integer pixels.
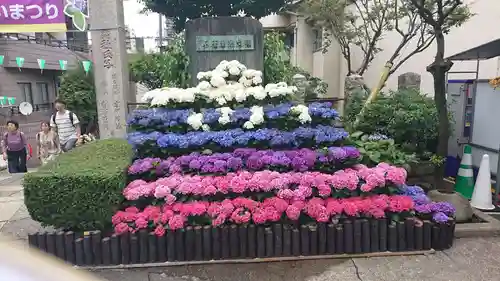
{"type": "Point", "coordinates": [482, 52]}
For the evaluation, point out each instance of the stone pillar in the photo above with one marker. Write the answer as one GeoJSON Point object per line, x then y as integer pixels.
{"type": "Point", "coordinates": [300, 81]}
{"type": "Point", "coordinates": [409, 80]}
{"type": "Point", "coordinates": [110, 62]}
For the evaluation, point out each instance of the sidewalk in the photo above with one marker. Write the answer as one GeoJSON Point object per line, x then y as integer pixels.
{"type": "Point", "coordinates": [14, 218]}
{"type": "Point", "coordinates": [471, 259]}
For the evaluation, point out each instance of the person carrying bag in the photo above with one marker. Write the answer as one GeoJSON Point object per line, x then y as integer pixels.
{"type": "Point", "coordinates": [14, 147]}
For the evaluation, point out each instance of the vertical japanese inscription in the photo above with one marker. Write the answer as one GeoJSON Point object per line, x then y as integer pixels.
{"type": "Point", "coordinates": [117, 104]}
{"type": "Point", "coordinates": [106, 49]}
{"type": "Point", "coordinates": [107, 59]}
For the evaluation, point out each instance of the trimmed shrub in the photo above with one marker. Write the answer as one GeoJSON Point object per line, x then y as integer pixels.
{"type": "Point", "coordinates": [81, 189]}
{"type": "Point", "coordinates": [407, 116]}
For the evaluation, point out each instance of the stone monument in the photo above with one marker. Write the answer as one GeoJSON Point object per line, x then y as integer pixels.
{"type": "Point", "coordinates": [211, 40]}
{"type": "Point", "coordinates": [409, 80]}
{"type": "Point", "coordinates": [109, 56]}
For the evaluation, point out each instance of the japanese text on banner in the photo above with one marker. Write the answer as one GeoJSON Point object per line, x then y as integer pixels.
{"type": "Point", "coordinates": [32, 16]}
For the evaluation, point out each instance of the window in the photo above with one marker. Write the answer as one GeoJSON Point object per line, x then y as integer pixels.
{"type": "Point", "coordinates": [290, 39]}
{"type": "Point", "coordinates": [27, 92]}
{"type": "Point", "coordinates": [318, 40]}
{"type": "Point", "coordinates": [42, 102]}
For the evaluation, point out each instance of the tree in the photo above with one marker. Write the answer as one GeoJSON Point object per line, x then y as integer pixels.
{"type": "Point", "coordinates": [168, 69]}
{"type": "Point", "coordinates": [181, 11]}
{"type": "Point", "coordinates": [361, 24]}
{"type": "Point", "coordinates": [78, 91]}
{"type": "Point", "coordinates": [441, 16]}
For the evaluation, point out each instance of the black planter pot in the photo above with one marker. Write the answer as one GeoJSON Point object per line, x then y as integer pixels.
{"type": "Point", "coordinates": [246, 242]}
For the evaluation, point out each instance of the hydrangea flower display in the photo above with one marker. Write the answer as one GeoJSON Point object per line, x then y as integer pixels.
{"type": "Point", "coordinates": [233, 151]}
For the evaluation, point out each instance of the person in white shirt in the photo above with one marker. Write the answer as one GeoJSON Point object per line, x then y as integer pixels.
{"type": "Point", "coordinates": [67, 126]}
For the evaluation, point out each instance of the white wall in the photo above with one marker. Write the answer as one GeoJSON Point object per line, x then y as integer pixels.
{"type": "Point", "coordinates": [480, 29]}
{"type": "Point", "coordinates": [275, 21]}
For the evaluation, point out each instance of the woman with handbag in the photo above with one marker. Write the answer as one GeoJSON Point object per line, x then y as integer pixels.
{"type": "Point", "coordinates": [14, 147]}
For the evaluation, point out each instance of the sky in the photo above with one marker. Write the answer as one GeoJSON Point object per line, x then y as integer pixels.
{"type": "Point", "coordinates": [141, 24]}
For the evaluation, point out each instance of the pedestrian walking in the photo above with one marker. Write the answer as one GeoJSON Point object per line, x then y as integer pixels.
{"type": "Point", "coordinates": [14, 148]}
{"type": "Point", "coordinates": [47, 143]}
{"type": "Point", "coordinates": [66, 125]}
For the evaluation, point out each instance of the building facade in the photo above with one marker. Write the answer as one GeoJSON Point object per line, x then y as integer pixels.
{"type": "Point", "coordinates": [29, 83]}
{"type": "Point", "coordinates": [330, 66]}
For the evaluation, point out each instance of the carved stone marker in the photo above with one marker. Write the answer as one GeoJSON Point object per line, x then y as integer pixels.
{"type": "Point", "coordinates": [211, 40]}
{"type": "Point", "coordinates": [409, 80]}
{"type": "Point", "coordinates": [110, 66]}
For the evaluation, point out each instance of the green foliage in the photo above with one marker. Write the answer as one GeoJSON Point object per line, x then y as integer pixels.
{"type": "Point", "coordinates": [277, 66]}
{"type": "Point", "coordinates": [407, 116]}
{"type": "Point", "coordinates": [444, 15]}
{"type": "Point", "coordinates": [383, 150]}
{"type": "Point", "coordinates": [181, 11]}
{"type": "Point", "coordinates": [81, 189]}
{"type": "Point", "coordinates": [168, 69]}
{"type": "Point", "coordinates": [78, 91]}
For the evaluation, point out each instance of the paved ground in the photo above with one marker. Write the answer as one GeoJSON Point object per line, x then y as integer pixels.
{"type": "Point", "coordinates": [470, 259]}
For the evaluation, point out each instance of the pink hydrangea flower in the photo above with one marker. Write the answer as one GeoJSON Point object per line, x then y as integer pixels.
{"type": "Point", "coordinates": [122, 228]}
{"type": "Point", "coordinates": [159, 230]}
{"type": "Point", "coordinates": [141, 223]}
{"type": "Point", "coordinates": [176, 222]}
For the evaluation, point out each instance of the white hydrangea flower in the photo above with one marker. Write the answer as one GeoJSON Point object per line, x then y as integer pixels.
{"type": "Point", "coordinates": [220, 72]}
{"type": "Point", "coordinates": [270, 86]}
{"type": "Point", "coordinates": [222, 65]}
{"type": "Point", "coordinates": [234, 70]}
{"type": "Point", "coordinates": [305, 118]}
{"type": "Point", "coordinates": [217, 81]}
{"type": "Point", "coordinates": [303, 113]}
{"type": "Point", "coordinates": [200, 75]}
{"type": "Point", "coordinates": [257, 116]}
{"type": "Point", "coordinates": [204, 86]}
{"type": "Point", "coordinates": [233, 63]}
{"type": "Point", "coordinates": [298, 109]}
{"type": "Point", "coordinates": [221, 100]}
{"type": "Point", "coordinates": [248, 125]}
{"type": "Point", "coordinates": [245, 82]}
{"type": "Point", "coordinates": [240, 95]}
{"type": "Point", "coordinates": [257, 92]}
{"type": "Point", "coordinates": [225, 110]}
{"type": "Point", "coordinates": [257, 73]}
{"type": "Point", "coordinates": [257, 80]}
{"type": "Point", "coordinates": [224, 119]}
{"type": "Point", "coordinates": [249, 73]}
{"type": "Point", "coordinates": [205, 127]}
{"type": "Point", "coordinates": [195, 120]}
{"type": "Point", "coordinates": [148, 96]}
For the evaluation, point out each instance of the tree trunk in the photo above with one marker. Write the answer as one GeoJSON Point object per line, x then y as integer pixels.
{"type": "Point", "coordinates": [438, 70]}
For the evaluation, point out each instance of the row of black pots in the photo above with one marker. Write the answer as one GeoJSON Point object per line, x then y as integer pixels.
{"type": "Point", "coordinates": [246, 242]}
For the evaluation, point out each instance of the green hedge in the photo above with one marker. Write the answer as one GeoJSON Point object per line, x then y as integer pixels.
{"type": "Point", "coordinates": [81, 189]}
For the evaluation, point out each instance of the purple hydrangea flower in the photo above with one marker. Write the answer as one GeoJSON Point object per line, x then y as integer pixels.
{"type": "Point", "coordinates": [412, 190]}
{"type": "Point", "coordinates": [440, 217]}
{"type": "Point", "coordinates": [444, 207]}
{"type": "Point", "coordinates": [421, 199]}
{"type": "Point", "coordinates": [338, 153]}
{"type": "Point", "coordinates": [423, 209]}
{"type": "Point", "coordinates": [251, 159]}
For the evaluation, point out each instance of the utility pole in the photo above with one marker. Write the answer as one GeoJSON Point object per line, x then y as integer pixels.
{"type": "Point", "coordinates": [110, 59]}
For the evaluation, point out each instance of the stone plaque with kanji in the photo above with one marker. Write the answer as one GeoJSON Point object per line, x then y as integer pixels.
{"type": "Point", "coordinates": [211, 40]}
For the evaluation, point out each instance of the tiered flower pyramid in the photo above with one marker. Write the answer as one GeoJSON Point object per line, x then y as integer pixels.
{"type": "Point", "coordinates": [232, 151]}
